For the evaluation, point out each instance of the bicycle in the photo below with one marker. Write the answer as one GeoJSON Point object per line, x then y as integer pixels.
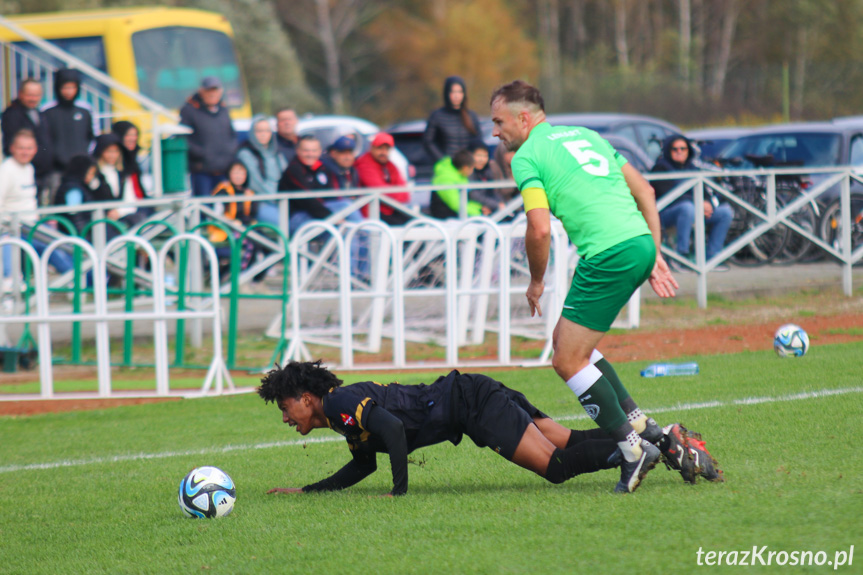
{"type": "Point", "coordinates": [831, 222]}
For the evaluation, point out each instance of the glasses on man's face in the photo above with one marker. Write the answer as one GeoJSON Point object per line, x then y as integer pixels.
{"type": "Point", "coordinates": [680, 149]}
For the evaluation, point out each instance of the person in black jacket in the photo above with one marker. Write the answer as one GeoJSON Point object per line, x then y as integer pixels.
{"type": "Point", "coordinates": [398, 419]}
{"type": "Point", "coordinates": [678, 156]}
{"type": "Point", "coordinates": [23, 114]}
{"type": "Point", "coordinates": [70, 124]}
{"type": "Point", "coordinates": [452, 127]}
{"type": "Point", "coordinates": [306, 173]}
{"type": "Point", "coordinates": [213, 141]}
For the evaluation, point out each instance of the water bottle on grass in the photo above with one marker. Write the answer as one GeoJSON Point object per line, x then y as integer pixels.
{"type": "Point", "coordinates": [661, 369]}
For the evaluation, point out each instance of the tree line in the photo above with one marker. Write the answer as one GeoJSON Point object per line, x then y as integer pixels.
{"type": "Point", "coordinates": [693, 62]}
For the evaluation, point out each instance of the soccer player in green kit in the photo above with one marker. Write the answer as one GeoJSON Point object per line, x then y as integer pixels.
{"type": "Point", "coordinates": [609, 213]}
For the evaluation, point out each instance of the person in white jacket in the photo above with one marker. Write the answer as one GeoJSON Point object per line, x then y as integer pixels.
{"type": "Point", "coordinates": [18, 200]}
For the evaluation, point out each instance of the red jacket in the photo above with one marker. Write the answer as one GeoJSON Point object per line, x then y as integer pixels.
{"type": "Point", "coordinates": [373, 174]}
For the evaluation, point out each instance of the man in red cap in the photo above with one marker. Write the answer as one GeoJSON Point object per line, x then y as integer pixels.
{"type": "Point", "coordinates": [375, 170]}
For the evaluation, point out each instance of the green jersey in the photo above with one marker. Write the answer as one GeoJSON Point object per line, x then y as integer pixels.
{"type": "Point", "coordinates": [580, 175]}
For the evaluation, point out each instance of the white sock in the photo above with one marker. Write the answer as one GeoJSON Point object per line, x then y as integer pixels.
{"type": "Point", "coordinates": [584, 380]}
{"type": "Point", "coordinates": [631, 446]}
{"type": "Point", "coordinates": [637, 419]}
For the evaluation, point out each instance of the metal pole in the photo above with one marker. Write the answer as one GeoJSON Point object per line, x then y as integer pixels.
{"type": "Point", "coordinates": [699, 244]}
{"type": "Point", "coordinates": [847, 267]}
{"type": "Point", "coordinates": [156, 156]}
{"type": "Point", "coordinates": [128, 335]}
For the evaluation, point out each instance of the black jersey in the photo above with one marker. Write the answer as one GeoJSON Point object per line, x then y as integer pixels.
{"type": "Point", "coordinates": [397, 419]}
{"type": "Point", "coordinates": [425, 411]}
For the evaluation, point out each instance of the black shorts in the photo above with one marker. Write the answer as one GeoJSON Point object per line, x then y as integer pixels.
{"type": "Point", "coordinates": [490, 413]}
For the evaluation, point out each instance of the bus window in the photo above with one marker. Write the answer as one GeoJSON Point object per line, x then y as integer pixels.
{"type": "Point", "coordinates": [90, 49]}
{"type": "Point", "coordinates": [172, 61]}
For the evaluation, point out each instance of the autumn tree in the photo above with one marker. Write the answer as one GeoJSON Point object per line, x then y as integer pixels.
{"type": "Point", "coordinates": [332, 43]}
{"type": "Point", "coordinates": [422, 43]}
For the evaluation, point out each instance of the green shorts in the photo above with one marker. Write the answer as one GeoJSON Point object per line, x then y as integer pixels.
{"type": "Point", "coordinates": [602, 285]}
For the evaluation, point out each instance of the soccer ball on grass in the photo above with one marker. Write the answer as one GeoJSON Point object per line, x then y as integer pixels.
{"type": "Point", "coordinates": [790, 341]}
{"type": "Point", "coordinates": [207, 492]}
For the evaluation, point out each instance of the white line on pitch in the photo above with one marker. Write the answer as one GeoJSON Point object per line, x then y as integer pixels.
{"type": "Point", "coordinates": [744, 401]}
{"type": "Point", "coordinates": [230, 448]}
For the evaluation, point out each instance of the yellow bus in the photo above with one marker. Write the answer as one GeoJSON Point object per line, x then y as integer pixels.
{"type": "Point", "coordinates": [161, 52]}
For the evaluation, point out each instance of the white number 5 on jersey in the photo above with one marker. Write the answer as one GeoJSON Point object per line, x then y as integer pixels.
{"type": "Point", "coordinates": [592, 162]}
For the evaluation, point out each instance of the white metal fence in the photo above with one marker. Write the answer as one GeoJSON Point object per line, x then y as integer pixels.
{"type": "Point", "coordinates": [478, 290]}
{"type": "Point", "coordinates": [45, 316]}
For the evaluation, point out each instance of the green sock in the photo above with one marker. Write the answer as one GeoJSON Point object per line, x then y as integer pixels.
{"type": "Point", "coordinates": [603, 406]}
{"type": "Point", "coordinates": [608, 372]}
{"type": "Point", "coordinates": [633, 414]}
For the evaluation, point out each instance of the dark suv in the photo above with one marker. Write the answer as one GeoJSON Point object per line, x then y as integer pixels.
{"type": "Point", "coordinates": [646, 131]}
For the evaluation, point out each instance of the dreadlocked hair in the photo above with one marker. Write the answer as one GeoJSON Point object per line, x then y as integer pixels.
{"type": "Point", "coordinates": [295, 379]}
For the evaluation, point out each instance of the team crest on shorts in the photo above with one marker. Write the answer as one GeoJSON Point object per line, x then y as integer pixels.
{"type": "Point", "coordinates": [592, 410]}
{"type": "Point", "coordinates": [348, 420]}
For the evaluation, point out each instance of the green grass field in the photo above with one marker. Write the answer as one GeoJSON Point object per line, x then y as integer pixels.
{"type": "Point", "coordinates": [96, 492]}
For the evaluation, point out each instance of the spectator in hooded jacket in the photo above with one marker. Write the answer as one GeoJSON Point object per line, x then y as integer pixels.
{"type": "Point", "coordinates": [213, 142]}
{"type": "Point", "coordinates": [678, 156]}
{"type": "Point", "coordinates": [454, 126]}
{"type": "Point", "coordinates": [70, 123]}
{"type": "Point", "coordinates": [260, 155]}
{"type": "Point", "coordinates": [375, 170]}
{"type": "Point", "coordinates": [18, 194]}
{"type": "Point", "coordinates": [24, 114]}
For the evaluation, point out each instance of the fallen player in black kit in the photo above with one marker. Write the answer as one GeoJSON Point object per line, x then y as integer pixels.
{"type": "Point", "coordinates": [397, 419]}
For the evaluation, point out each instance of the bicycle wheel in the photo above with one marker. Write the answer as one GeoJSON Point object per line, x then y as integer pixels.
{"type": "Point", "coordinates": [831, 223]}
{"type": "Point", "coordinates": [797, 247]}
{"type": "Point", "coordinates": [765, 247]}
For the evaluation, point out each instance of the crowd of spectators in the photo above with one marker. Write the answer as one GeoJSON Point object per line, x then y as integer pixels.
{"type": "Point", "coordinates": [55, 156]}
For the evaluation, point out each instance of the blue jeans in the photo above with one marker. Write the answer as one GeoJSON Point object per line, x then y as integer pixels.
{"type": "Point", "coordinates": [682, 216]}
{"type": "Point", "coordinates": [360, 243]}
{"type": "Point", "coordinates": [62, 261]}
{"type": "Point", "coordinates": [204, 183]}
{"type": "Point", "coordinates": [268, 213]}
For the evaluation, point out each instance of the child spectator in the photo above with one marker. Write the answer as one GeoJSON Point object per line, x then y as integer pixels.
{"type": "Point", "coordinates": [486, 170]}
{"type": "Point", "coordinates": [453, 171]}
{"type": "Point", "coordinates": [245, 213]}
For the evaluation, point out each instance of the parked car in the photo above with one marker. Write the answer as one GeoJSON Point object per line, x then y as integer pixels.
{"type": "Point", "coordinates": [630, 150]}
{"type": "Point", "coordinates": [328, 129]}
{"type": "Point", "coordinates": [810, 145]}
{"type": "Point", "coordinates": [409, 140]}
{"type": "Point", "coordinates": [408, 137]}
{"type": "Point", "coordinates": [711, 141]}
{"type": "Point", "coordinates": [646, 131]}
